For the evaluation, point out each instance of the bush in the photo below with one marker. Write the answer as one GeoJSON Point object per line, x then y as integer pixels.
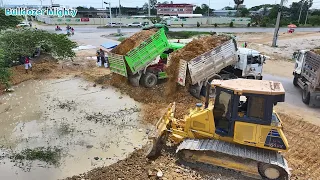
{"type": "Point", "coordinates": [249, 24]}
{"type": "Point", "coordinates": [264, 24]}
{"type": "Point", "coordinates": [215, 25]}
{"type": "Point", "coordinates": [231, 24]}
{"type": "Point", "coordinates": [181, 24]}
{"type": "Point", "coordinates": [198, 24]}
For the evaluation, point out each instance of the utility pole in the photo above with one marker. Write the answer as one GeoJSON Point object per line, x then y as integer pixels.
{"type": "Point", "coordinates": [302, 3]}
{"type": "Point", "coordinates": [209, 9]}
{"type": "Point", "coordinates": [109, 12]}
{"type": "Point", "coordinates": [120, 17]}
{"type": "Point", "coordinates": [276, 30]}
{"type": "Point", "coordinates": [149, 12]}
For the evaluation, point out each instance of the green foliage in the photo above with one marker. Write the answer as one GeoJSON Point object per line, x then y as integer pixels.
{"type": "Point", "coordinates": [48, 155]}
{"type": "Point", "coordinates": [155, 20]}
{"type": "Point", "coordinates": [121, 39]}
{"type": "Point", "coordinates": [215, 25]}
{"type": "Point", "coordinates": [314, 20]}
{"type": "Point", "coordinates": [198, 24]}
{"type": "Point", "coordinates": [23, 42]}
{"type": "Point", "coordinates": [4, 71]}
{"type": "Point", "coordinates": [203, 9]}
{"type": "Point", "coordinates": [184, 34]}
{"type": "Point", "coordinates": [231, 24]}
{"type": "Point", "coordinates": [244, 12]}
{"type": "Point", "coordinates": [249, 24]}
{"type": "Point", "coordinates": [8, 21]}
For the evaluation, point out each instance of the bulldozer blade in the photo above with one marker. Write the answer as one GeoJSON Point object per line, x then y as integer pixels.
{"type": "Point", "coordinates": [159, 134]}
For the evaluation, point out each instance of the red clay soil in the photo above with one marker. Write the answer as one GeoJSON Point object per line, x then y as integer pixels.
{"type": "Point", "coordinates": [187, 53]}
{"type": "Point", "coordinates": [130, 43]}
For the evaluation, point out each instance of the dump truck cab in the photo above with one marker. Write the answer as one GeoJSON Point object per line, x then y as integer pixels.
{"type": "Point", "coordinates": [243, 112]}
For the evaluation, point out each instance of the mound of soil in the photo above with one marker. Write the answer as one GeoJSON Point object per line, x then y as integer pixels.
{"type": "Point", "coordinates": [190, 51]}
{"type": "Point", "coordinates": [133, 41]}
{"type": "Point", "coordinates": [304, 147]}
{"type": "Point", "coordinates": [137, 167]}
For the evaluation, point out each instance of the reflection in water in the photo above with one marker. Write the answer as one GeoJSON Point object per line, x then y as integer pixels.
{"type": "Point", "coordinates": [93, 126]}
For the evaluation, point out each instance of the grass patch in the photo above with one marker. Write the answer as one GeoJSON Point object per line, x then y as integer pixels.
{"type": "Point", "coordinates": [185, 34]}
{"type": "Point", "coordinates": [121, 39]}
{"type": "Point", "coordinates": [48, 155]}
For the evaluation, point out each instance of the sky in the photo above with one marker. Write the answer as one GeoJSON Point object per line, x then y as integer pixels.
{"type": "Point", "coordinates": [214, 4]}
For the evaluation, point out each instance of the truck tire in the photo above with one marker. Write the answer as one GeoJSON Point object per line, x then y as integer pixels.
{"type": "Point", "coordinates": [134, 80]}
{"type": "Point", "coordinates": [149, 80]}
{"type": "Point", "coordinates": [295, 80]}
{"type": "Point", "coordinates": [305, 95]}
{"type": "Point", "coordinates": [195, 91]}
{"type": "Point", "coordinates": [251, 77]}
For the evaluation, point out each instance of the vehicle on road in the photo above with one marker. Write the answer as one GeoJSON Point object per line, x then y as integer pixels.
{"type": "Point", "coordinates": [135, 24]}
{"type": "Point", "coordinates": [239, 130]}
{"type": "Point", "coordinates": [307, 75]}
{"type": "Point", "coordinates": [111, 24]}
{"type": "Point", "coordinates": [23, 25]}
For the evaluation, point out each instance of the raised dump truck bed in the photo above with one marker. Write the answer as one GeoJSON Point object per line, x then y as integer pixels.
{"type": "Point", "coordinates": [140, 57]}
{"type": "Point", "coordinates": [307, 76]}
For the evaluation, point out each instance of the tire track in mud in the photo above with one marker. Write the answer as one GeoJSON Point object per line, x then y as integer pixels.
{"type": "Point", "coordinates": [304, 147]}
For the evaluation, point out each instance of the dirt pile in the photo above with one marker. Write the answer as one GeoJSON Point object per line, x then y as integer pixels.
{"type": "Point", "coordinates": [304, 147]}
{"type": "Point", "coordinates": [136, 166]}
{"type": "Point", "coordinates": [190, 51]}
{"type": "Point", "coordinates": [133, 41]}
{"type": "Point", "coordinates": [154, 99]}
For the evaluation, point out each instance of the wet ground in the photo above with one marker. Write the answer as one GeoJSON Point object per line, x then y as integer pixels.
{"type": "Point", "coordinates": [91, 126]}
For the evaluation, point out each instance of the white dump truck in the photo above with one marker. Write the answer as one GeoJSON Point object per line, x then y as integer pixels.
{"type": "Point", "coordinates": [223, 62]}
{"type": "Point", "coordinates": [307, 76]}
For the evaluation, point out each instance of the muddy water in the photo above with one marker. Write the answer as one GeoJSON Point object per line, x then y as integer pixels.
{"type": "Point", "coordinates": [85, 122]}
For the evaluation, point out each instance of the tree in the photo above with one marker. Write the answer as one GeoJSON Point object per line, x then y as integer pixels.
{"type": "Point", "coordinates": [244, 12]}
{"type": "Point", "coordinates": [314, 20]}
{"type": "Point", "coordinates": [145, 6]}
{"type": "Point", "coordinates": [153, 4]}
{"type": "Point", "coordinates": [198, 10]}
{"type": "Point", "coordinates": [238, 2]}
{"type": "Point", "coordinates": [23, 42]}
{"type": "Point", "coordinates": [8, 21]}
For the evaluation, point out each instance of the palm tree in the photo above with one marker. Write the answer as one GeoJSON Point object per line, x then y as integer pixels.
{"type": "Point", "coordinates": [238, 2]}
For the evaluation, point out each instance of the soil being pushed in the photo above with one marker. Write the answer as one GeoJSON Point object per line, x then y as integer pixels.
{"type": "Point", "coordinates": [190, 51]}
{"type": "Point", "coordinates": [132, 42]}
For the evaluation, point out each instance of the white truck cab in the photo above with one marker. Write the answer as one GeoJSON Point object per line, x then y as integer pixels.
{"type": "Point", "coordinates": [250, 63]}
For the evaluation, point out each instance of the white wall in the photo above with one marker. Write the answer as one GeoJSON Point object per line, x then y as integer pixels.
{"type": "Point", "coordinates": [187, 21]}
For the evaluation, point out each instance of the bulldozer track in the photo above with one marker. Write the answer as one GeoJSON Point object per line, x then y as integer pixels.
{"type": "Point", "coordinates": [235, 150]}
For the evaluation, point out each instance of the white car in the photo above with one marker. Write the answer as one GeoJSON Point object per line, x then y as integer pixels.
{"type": "Point", "coordinates": [135, 24]}
{"type": "Point", "coordinates": [23, 24]}
{"type": "Point", "coordinates": [111, 24]}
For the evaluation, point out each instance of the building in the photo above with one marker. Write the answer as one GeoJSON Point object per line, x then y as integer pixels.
{"type": "Point", "coordinates": [174, 9]}
{"type": "Point", "coordinates": [225, 13]}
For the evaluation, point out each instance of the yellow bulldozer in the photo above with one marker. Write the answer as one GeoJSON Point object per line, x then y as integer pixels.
{"type": "Point", "coordinates": [237, 128]}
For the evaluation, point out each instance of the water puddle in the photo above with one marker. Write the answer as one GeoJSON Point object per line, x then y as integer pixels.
{"type": "Point", "coordinates": [90, 127]}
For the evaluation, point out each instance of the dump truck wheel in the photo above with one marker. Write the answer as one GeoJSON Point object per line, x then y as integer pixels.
{"type": "Point", "coordinates": [305, 95]}
{"type": "Point", "coordinates": [295, 80]}
{"type": "Point", "coordinates": [149, 80]}
{"type": "Point", "coordinates": [134, 80]}
{"type": "Point", "coordinates": [272, 172]}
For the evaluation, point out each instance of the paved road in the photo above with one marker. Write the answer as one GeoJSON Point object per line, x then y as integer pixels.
{"type": "Point", "coordinates": [293, 94]}
{"type": "Point", "coordinates": [90, 29]}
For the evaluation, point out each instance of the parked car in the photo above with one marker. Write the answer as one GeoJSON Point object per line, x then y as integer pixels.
{"type": "Point", "coordinates": [23, 24]}
{"type": "Point", "coordinates": [135, 24]}
{"type": "Point", "coordinates": [111, 24]}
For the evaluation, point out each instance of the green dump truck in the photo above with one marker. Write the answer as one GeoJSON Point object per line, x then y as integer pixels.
{"type": "Point", "coordinates": [139, 66]}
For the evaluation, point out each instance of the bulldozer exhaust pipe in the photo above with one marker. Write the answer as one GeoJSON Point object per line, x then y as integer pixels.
{"type": "Point", "coordinates": [208, 88]}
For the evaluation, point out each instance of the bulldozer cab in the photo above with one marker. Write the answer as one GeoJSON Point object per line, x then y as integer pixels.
{"type": "Point", "coordinates": [247, 101]}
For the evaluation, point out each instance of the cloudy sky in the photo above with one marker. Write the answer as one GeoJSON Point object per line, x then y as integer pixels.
{"type": "Point", "coordinates": [214, 4]}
